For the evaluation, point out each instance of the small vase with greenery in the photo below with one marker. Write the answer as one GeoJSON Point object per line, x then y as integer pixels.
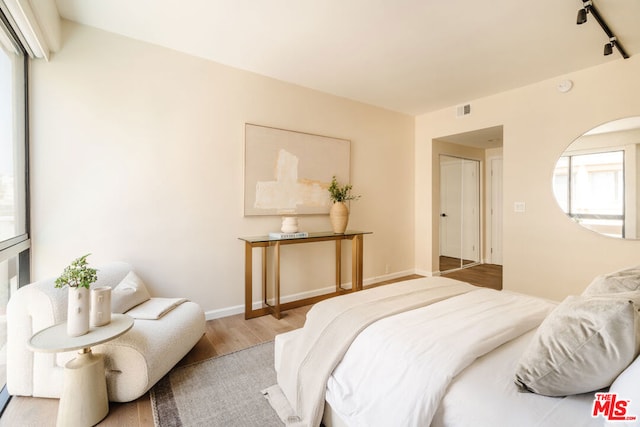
{"type": "Point", "coordinates": [78, 277]}
{"type": "Point", "coordinates": [77, 274]}
{"type": "Point", "coordinates": [338, 193]}
{"type": "Point", "coordinates": [339, 213]}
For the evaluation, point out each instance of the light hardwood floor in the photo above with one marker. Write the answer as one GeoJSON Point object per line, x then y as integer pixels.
{"type": "Point", "coordinates": [222, 336]}
{"type": "Point", "coordinates": [486, 275]}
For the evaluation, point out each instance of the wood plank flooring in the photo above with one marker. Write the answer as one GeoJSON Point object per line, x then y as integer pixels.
{"type": "Point", "coordinates": [222, 336]}
{"type": "Point", "coordinates": [486, 275]}
{"type": "Point", "coordinates": [449, 263]}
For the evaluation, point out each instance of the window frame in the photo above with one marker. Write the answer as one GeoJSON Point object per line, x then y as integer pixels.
{"type": "Point", "coordinates": [20, 245]}
{"type": "Point", "coordinates": [569, 190]}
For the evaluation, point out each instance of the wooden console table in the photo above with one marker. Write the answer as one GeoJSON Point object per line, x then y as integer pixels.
{"type": "Point", "coordinates": [265, 241]}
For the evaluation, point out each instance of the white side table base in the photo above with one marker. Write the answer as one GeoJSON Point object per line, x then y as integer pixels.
{"type": "Point", "coordinates": [84, 400]}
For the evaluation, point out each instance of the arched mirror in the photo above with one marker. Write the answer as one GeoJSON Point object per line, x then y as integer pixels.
{"type": "Point", "coordinates": [596, 180]}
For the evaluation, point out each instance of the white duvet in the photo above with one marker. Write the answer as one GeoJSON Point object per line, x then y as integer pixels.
{"type": "Point", "coordinates": [398, 369]}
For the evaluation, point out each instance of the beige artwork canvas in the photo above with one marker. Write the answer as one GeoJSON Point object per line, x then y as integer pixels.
{"type": "Point", "coordinates": [288, 172]}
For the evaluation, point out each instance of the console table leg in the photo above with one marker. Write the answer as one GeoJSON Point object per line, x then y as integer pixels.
{"type": "Point", "coordinates": [357, 262]}
{"type": "Point", "coordinates": [264, 276]}
{"type": "Point", "coordinates": [84, 400]}
{"type": "Point", "coordinates": [338, 265]}
{"type": "Point", "coordinates": [248, 280]}
{"type": "Point", "coordinates": [276, 254]}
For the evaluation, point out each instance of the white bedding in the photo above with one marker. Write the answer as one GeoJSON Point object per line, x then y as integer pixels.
{"type": "Point", "coordinates": [329, 330]}
{"type": "Point", "coordinates": [484, 395]}
{"type": "Point", "coordinates": [398, 369]}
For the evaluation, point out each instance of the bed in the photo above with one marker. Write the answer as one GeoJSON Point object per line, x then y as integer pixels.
{"type": "Point", "coordinates": [436, 351]}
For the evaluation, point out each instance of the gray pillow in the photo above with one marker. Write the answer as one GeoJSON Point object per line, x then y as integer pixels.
{"type": "Point", "coordinates": [582, 346]}
{"type": "Point", "coordinates": [625, 280]}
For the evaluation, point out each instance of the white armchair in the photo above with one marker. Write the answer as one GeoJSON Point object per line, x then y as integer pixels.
{"type": "Point", "coordinates": [134, 362]}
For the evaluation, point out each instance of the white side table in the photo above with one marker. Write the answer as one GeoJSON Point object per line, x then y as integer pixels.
{"type": "Point", "coordinates": [84, 401]}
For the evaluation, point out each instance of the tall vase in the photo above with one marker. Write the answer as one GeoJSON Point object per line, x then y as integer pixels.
{"type": "Point", "coordinates": [78, 311]}
{"type": "Point", "coordinates": [339, 215]}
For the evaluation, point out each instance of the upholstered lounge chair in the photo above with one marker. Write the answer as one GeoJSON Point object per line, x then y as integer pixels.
{"type": "Point", "coordinates": [134, 362]}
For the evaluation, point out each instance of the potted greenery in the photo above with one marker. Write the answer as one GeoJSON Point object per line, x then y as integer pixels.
{"type": "Point", "coordinates": [339, 212]}
{"type": "Point", "coordinates": [78, 277]}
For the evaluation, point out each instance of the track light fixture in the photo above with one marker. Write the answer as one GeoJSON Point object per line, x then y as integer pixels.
{"type": "Point", "coordinates": [582, 13]}
{"type": "Point", "coordinates": [608, 47]}
{"type": "Point", "coordinates": [589, 8]}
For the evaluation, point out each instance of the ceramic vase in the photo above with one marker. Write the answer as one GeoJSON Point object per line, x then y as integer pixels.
{"type": "Point", "coordinates": [100, 306]}
{"type": "Point", "coordinates": [78, 311]}
{"type": "Point", "coordinates": [339, 215]}
{"type": "Point", "coordinates": [289, 224]}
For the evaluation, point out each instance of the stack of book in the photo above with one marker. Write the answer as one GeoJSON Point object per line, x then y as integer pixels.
{"type": "Point", "coordinates": [296, 235]}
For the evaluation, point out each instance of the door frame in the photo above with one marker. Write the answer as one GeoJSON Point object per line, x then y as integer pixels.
{"type": "Point", "coordinates": [490, 179]}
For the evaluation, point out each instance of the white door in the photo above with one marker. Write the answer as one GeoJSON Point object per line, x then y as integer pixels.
{"type": "Point", "coordinates": [450, 206]}
{"type": "Point", "coordinates": [460, 209]}
{"type": "Point", "coordinates": [496, 211]}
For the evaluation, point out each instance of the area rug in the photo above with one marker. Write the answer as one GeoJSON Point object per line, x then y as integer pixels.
{"type": "Point", "coordinates": [222, 391]}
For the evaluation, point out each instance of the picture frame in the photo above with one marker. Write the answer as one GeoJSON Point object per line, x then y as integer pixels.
{"type": "Point", "coordinates": [288, 172]}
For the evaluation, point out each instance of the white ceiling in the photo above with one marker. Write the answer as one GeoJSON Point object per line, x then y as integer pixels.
{"type": "Point", "coordinates": [411, 56]}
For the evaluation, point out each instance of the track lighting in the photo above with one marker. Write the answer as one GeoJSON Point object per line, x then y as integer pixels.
{"type": "Point", "coordinates": [582, 13]}
{"type": "Point", "coordinates": [608, 47]}
{"type": "Point", "coordinates": [582, 16]}
{"type": "Point", "coordinates": [589, 7]}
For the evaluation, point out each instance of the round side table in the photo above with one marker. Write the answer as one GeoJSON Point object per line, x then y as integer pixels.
{"type": "Point", "coordinates": [84, 401]}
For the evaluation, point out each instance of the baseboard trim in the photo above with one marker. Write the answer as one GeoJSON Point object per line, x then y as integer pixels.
{"type": "Point", "coordinates": [426, 273]}
{"type": "Point", "coordinates": [386, 277]}
{"type": "Point", "coordinates": [239, 309]}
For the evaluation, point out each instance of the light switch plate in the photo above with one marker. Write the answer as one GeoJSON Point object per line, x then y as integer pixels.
{"type": "Point", "coordinates": [519, 206]}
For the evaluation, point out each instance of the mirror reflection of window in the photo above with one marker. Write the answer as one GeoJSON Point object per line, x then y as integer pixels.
{"type": "Point", "coordinates": [597, 179]}
{"type": "Point", "coordinates": [594, 197]}
{"type": "Point", "coordinates": [599, 183]}
{"type": "Point", "coordinates": [561, 183]}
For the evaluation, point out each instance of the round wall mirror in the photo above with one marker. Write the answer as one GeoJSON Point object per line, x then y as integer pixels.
{"type": "Point", "coordinates": [596, 180]}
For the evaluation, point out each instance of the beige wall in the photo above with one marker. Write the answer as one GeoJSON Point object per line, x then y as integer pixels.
{"type": "Point", "coordinates": [137, 155]}
{"type": "Point", "coordinates": [544, 253]}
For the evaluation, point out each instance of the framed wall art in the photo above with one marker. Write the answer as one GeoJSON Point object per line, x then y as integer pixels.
{"type": "Point", "coordinates": [289, 172]}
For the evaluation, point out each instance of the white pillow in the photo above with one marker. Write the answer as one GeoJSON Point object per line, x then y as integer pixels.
{"type": "Point", "coordinates": [625, 280]}
{"type": "Point", "coordinates": [582, 346]}
{"type": "Point", "coordinates": [130, 292]}
{"type": "Point", "coordinates": [626, 387]}
{"type": "Point", "coordinates": [155, 308]}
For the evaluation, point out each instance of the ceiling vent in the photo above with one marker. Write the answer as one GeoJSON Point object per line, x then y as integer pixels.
{"type": "Point", "coordinates": [463, 110]}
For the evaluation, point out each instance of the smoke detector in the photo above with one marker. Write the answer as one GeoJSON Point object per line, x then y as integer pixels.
{"type": "Point", "coordinates": [565, 86]}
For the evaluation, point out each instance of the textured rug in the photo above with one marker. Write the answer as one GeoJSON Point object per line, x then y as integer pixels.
{"type": "Point", "coordinates": [223, 391]}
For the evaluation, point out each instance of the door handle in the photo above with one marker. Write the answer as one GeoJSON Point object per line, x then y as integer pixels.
{"type": "Point", "coordinates": [443, 215]}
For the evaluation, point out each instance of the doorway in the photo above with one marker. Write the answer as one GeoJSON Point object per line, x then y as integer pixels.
{"type": "Point", "coordinates": [459, 212]}
{"type": "Point", "coordinates": [465, 161]}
